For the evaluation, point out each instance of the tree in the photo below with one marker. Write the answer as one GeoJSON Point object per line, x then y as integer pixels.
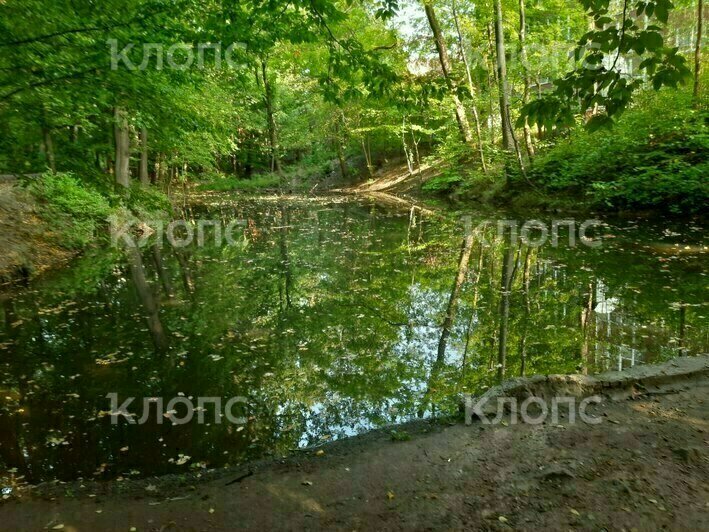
{"type": "Point", "coordinates": [460, 115]}
{"type": "Point", "coordinates": [698, 51]}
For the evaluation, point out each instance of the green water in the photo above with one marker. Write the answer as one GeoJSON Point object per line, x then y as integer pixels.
{"type": "Point", "coordinates": [326, 316]}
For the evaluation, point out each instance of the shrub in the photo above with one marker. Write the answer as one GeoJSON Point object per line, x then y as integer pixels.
{"type": "Point", "coordinates": [655, 157]}
{"type": "Point", "coordinates": [74, 210]}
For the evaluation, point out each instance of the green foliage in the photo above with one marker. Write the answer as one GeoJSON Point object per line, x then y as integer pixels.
{"type": "Point", "coordinates": [76, 211]}
{"type": "Point", "coordinates": [73, 209]}
{"type": "Point", "coordinates": [596, 81]}
{"type": "Point", "coordinates": [147, 202]}
{"type": "Point", "coordinates": [445, 182]}
{"type": "Point", "coordinates": [224, 183]}
{"type": "Point", "coordinates": [657, 158]}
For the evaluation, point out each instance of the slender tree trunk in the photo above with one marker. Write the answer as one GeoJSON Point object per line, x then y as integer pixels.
{"type": "Point", "coordinates": [416, 150]}
{"type": "Point", "coordinates": [460, 115]}
{"type": "Point", "coordinates": [49, 149]}
{"type": "Point", "coordinates": [502, 76]}
{"type": "Point", "coordinates": [341, 159]}
{"type": "Point", "coordinates": [698, 51]}
{"type": "Point", "coordinates": [122, 160]}
{"type": "Point", "coordinates": [509, 141]}
{"type": "Point", "coordinates": [471, 88]}
{"type": "Point", "coordinates": [271, 119]}
{"type": "Point", "coordinates": [340, 131]}
{"type": "Point", "coordinates": [407, 152]}
{"type": "Point", "coordinates": [491, 80]}
{"type": "Point", "coordinates": [143, 172]}
{"type": "Point", "coordinates": [144, 175]}
{"type": "Point", "coordinates": [525, 70]}
{"type": "Point", "coordinates": [368, 159]}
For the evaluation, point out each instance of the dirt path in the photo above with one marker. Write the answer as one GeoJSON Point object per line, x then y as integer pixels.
{"type": "Point", "coordinates": [645, 466]}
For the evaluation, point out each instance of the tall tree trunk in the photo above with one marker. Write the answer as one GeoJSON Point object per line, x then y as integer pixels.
{"type": "Point", "coordinates": [525, 71]}
{"type": "Point", "coordinates": [491, 80]}
{"type": "Point", "coordinates": [416, 150]}
{"type": "Point", "coordinates": [159, 169]}
{"type": "Point", "coordinates": [49, 148]}
{"type": "Point", "coordinates": [502, 77]}
{"type": "Point", "coordinates": [509, 141]}
{"type": "Point", "coordinates": [698, 51]}
{"type": "Point", "coordinates": [407, 153]}
{"type": "Point", "coordinates": [144, 175]}
{"type": "Point", "coordinates": [122, 140]}
{"type": "Point", "coordinates": [471, 88]}
{"type": "Point", "coordinates": [368, 158]}
{"type": "Point", "coordinates": [340, 141]}
{"type": "Point", "coordinates": [460, 116]}
{"type": "Point", "coordinates": [271, 119]}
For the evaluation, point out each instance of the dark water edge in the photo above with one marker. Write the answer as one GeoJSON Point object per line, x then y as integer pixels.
{"type": "Point", "coordinates": [327, 317]}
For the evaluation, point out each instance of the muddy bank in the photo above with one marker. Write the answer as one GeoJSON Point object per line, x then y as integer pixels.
{"type": "Point", "coordinates": [645, 466]}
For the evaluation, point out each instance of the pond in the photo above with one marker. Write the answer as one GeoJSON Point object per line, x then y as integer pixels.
{"type": "Point", "coordinates": [319, 319]}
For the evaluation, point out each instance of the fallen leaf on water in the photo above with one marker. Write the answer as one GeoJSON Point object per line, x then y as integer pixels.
{"type": "Point", "coordinates": [320, 453]}
{"type": "Point", "coordinates": [306, 483]}
{"type": "Point", "coordinates": [502, 519]}
{"type": "Point", "coordinates": [390, 495]}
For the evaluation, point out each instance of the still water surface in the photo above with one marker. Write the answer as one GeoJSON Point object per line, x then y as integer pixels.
{"type": "Point", "coordinates": [330, 317]}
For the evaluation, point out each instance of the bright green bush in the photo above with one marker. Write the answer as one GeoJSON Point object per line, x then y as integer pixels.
{"type": "Point", "coordinates": [655, 157]}
{"type": "Point", "coordinates": [147, 202]}
{"type": "Point", "coordinates": [65, 193]}
{"type": "Point", "coordinates": [72, 210]}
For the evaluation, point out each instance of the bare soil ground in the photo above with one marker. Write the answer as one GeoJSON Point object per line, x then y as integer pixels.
{"type": "Point", "coordinates": [645, 466]}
